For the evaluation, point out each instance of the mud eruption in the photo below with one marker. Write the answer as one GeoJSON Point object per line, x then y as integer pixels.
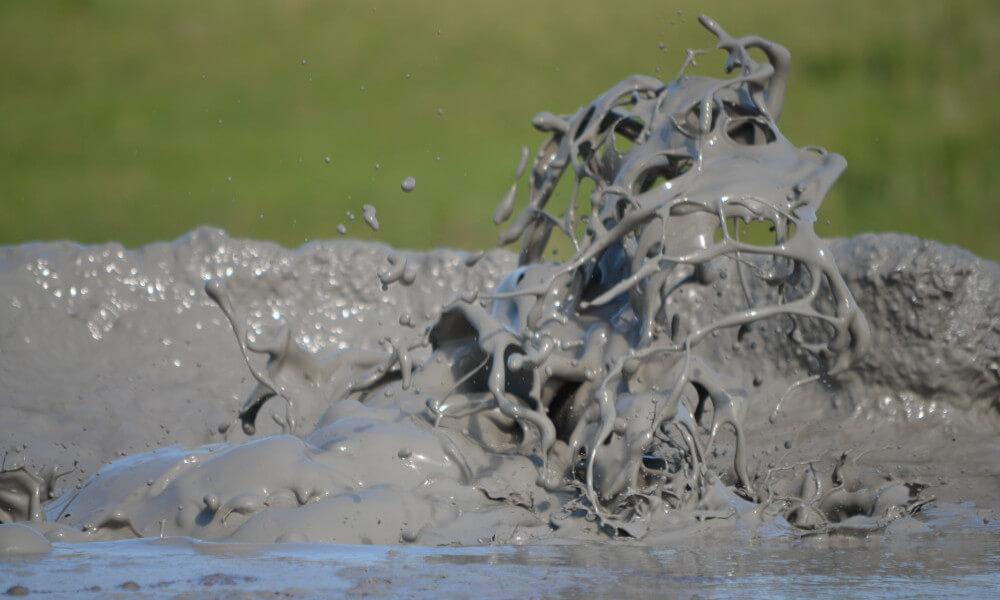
{"type": "Point", "coordinates": [699, 362]}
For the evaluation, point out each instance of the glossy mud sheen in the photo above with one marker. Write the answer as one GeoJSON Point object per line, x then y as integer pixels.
{"type": "Point", "coordinates": [673, 379]}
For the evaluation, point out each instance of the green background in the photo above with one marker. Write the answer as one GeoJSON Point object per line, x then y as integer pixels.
{"type": "Point", "coordinates": [137, 121]}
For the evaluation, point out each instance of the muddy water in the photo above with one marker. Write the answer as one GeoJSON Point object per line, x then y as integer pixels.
{"type": "Point", "coordinates": [673, 380]}
{"type": "Point", "coordinates": [917, 565]}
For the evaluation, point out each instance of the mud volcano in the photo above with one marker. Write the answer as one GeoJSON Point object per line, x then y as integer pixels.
{"type": "Point", "coordinates": [681, 377]}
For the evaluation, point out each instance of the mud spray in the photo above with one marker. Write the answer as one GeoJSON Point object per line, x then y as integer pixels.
{"type": "Point", "coordinates": [674, 377]}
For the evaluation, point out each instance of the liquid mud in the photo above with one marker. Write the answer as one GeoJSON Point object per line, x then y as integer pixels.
{"type": "Point", "coordinates": [678, 378]}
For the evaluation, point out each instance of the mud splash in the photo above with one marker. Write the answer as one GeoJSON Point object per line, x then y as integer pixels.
{"type": "Point", "coordinates": [672, 376]}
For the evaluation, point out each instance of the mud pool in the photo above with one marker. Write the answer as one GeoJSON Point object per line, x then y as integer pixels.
{"type": "Point", "coordinates": [680, 384]}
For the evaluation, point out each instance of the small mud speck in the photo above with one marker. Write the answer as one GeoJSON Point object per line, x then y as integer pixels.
{"type": "Point", "coordinates": [130, 585]}
{"type": "Point", "coordinates": [369, 216]}
{"type": "Point", "coordinates": [17, 590]}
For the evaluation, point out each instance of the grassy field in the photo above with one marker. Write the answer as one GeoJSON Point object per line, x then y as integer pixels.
{"type": "Point", "coordinates": [137, 121]}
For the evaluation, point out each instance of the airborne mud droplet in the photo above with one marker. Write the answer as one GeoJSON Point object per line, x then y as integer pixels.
{"type": "Point", "coordinates": [368, 214]}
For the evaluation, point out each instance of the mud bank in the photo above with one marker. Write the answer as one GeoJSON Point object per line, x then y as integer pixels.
{"type": "Point", "coordinates": [140, 359]}
{"type": "Point", "coordinates": [677, 377]}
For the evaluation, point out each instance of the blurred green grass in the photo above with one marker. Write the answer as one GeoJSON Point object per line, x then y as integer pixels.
{"type": "Point", "coordinates": [136, 121]}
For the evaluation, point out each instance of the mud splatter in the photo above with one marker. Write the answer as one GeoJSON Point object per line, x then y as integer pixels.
{"type": "Point", "coordinates": [688, 366]}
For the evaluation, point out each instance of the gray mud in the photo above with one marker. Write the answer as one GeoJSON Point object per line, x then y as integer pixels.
{"type": "Point", "coordinates": [678, 377]}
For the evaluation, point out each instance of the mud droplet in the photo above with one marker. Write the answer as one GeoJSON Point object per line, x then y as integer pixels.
{"type": "Point", "coordinates": [369, 216]}
{"type": "Point", "coordinates": [505, 208]}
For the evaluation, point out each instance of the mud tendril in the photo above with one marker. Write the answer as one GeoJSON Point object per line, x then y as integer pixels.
{"type": "Point", "coordinates": [701, 156]}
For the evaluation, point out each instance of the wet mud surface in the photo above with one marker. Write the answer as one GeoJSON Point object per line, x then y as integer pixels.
{"type": "Point", "coordinates": [686, 391]}
{"type": "Point", "coordinates": [178, 350]}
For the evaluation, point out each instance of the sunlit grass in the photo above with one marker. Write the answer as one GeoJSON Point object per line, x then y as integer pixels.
{"type": "Point", "coordinates": [138, 121]}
